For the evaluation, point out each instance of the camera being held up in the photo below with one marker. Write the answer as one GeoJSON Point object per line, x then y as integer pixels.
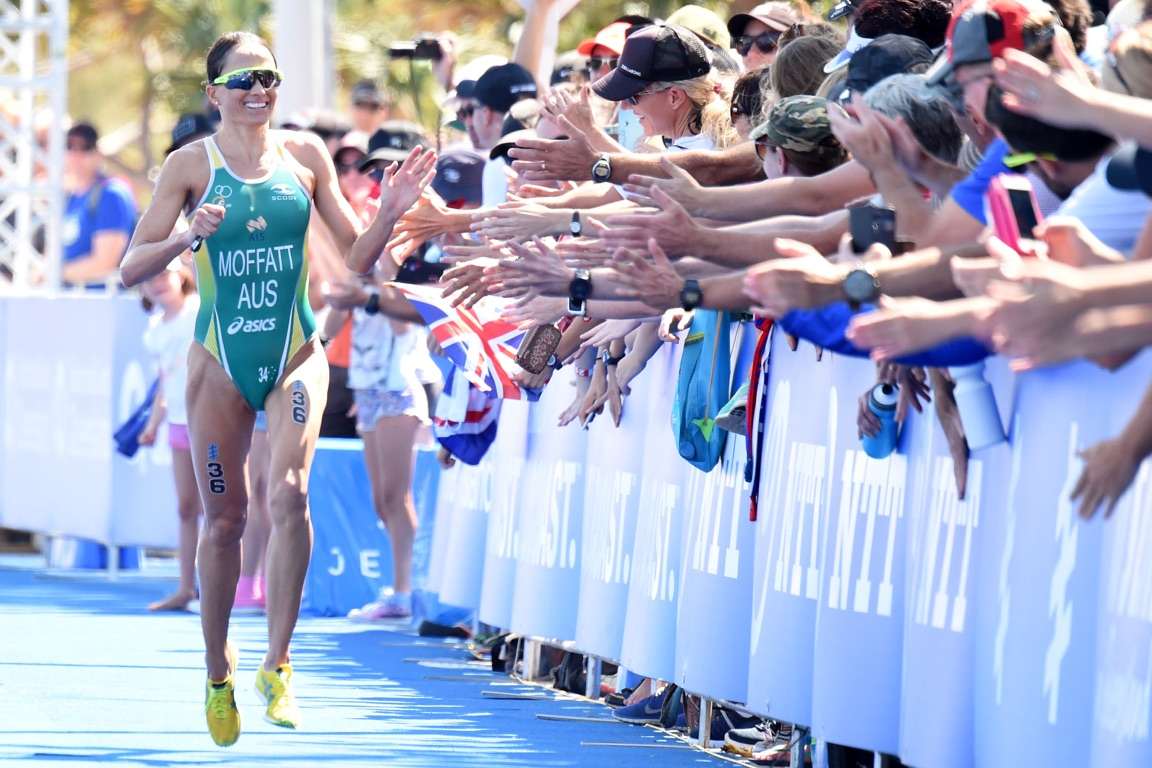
{"type": "Point", "coordinates": [424, 47]}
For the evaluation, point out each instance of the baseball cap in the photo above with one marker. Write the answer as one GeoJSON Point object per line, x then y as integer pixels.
{"type": "Point", "coordinates": [392, 142]}
{"type": "Point", "coordinates": [84, 135]}
{"type": "Point", "coordinates": [658, 53]}
{"type": "Point", "coordinates": [459, 177]}
{"type": "Point", "coordinates": [502, 86]}
{"type": "Point", "coordinates": [611, 37]}
{"type": "Point", "coordinates": [855, 43]}
{"type": "Point", "coordinates": [1127, 66]}
{"type": "Point", "coordinates": [798, 123]}
{"type": "Point", "coordinates": [1130, 169]}
{"type": "Point", "coordinates": [777, 15]}
{"type": "Point", "coordinates": [887, 55]}
{"type": "Point", "coordinates": [352, 150]}
{"type": "Point", "coordinates": [190, 126]}
{"type": "Point", "coordinates": [710, 27]}
{"type": "Point", "coordinates": [981, 30]}
{"type": "Point", "coordinates": [366, 93]}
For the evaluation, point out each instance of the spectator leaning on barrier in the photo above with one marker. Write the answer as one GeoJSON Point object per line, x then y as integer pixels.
{"type": "Point", "coordinates": [99, 214]}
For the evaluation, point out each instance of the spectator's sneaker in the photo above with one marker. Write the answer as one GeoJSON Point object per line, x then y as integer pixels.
{"type": "Point", "coordinates": [644, 712]}
{"type": "Point", "coordinates": [743, 741]}
{"type": "Point", "coordinates": [725, 720]}
{"type": "Point", "coordinates": [249, 597]}
{"type": "Point", "coordinates": [776, 750]}
{"type": "Point", "coordinates": [275, 688]}
{"type": "Point", "coordinates": [391, 606]}
{"type": "Point", "coordinates": [220, 705]}
{"type": "Point", "coordinates": [617, 698]}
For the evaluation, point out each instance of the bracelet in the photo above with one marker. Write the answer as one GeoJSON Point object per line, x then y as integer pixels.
{"type": "Point", "coordinates": [584, 373]}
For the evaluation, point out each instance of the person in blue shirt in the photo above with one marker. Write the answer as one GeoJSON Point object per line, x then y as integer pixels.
{"type": "Point", "coordinates": [99, 215]}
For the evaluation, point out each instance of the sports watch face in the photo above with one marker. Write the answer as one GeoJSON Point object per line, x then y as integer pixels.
{"type": "Point", "coordinates": [860, 286]}
{"type": "Point", "coordinates": [602, 170]}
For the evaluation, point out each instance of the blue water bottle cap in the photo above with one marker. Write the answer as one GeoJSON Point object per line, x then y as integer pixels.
{"type": "Point", "coordinates": [886, 394]}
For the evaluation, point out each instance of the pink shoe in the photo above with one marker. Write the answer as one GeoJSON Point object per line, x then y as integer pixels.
{"type": "Point", "coordinates": [249, 596]}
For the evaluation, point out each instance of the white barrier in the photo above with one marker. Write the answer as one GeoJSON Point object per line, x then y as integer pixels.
{"type": "Point", "coordinates": [74, 368]}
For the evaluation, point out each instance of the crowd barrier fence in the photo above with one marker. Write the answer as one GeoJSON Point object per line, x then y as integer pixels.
{"type": "Point", "coordinates": [867, 600]}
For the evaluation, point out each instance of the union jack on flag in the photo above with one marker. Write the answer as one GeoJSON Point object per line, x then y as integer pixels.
{"type": "Point", "coordinates": [476, 340]}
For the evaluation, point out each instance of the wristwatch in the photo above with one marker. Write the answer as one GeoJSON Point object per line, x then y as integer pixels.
{"type": "Point", "coordinates": [554, 362]}
{"type": "Point", "coordinates": [578, 291]}
{"type": "Point", "coordinates": [607, 358]}
{"type": "Point", "coordinates": [690, 295]}
{"type": "Point", "coordinates": [372, 306]}
{"type": "Point", "coordinates": [576, 228]}
{"type": "Point", "coordinates": [860, 287]}
{"type": "Point", "coordinates": [602, 169]}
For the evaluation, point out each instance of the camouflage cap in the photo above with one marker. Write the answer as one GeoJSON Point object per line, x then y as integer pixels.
{"type": "Point", "coordinates": [798, 123]}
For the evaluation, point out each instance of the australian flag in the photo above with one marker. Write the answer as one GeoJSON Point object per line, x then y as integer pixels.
{"type": "Point", "coordinates": [476, 340]}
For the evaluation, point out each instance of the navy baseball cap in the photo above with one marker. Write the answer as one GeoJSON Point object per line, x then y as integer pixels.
{"type": "Point", "coordinates": [188, 128]}
{"type": "Point", "coordinates": [887, 55]}
{"type": "Point", "coordinates": [504, 85]}
{"type": "Point", "coordinates": [660, 53]}
{"type": "Point", "coordinates": [392, 142]}
{"type": "Point", "coordinates": [1130, 169]}
{"type": "Point", "coordinates": [459, 177]}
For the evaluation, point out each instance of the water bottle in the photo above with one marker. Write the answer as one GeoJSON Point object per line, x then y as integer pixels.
{"type": "Point", "coordinates": [977, 406]}
{"type": "Point", "coordinates": [882, 402]}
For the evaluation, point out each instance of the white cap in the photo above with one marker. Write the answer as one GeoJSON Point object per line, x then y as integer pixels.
{"type": "Point", "coordinates": [840, 60]}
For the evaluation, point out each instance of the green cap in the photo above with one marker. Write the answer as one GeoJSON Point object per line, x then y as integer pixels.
{"type": "Point", "coordinates": [798, 123]}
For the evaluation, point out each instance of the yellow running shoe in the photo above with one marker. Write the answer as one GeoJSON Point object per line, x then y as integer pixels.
{"type": "Point", "coordinates": [220, 705]}
{"type": "Point", "coordinates": [276, 689]}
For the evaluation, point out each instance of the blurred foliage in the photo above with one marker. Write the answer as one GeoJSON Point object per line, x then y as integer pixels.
{"type": "Point", "coordinates": [135, 65]}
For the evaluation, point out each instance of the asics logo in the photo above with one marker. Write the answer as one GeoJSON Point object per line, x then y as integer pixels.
{"type": "Point", "coordinates": [240, 325]}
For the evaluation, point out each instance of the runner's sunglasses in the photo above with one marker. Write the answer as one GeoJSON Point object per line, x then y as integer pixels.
{"type": "Point", "coordinates": [246, 79]}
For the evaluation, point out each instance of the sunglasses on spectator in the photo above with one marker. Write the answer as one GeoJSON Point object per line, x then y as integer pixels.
{"type": "Point", "coordinates": [80, 147]}
{"type": "Point", "coordinates": [762, 147]}
{"type": "Point", "coordinates": [740, 109]}
{"type": "Point", "coordinates": [343, 168]}
{"type": "Point", "coordinates": [599, 62]}
{"type": "Point", "coordinates": [765, 42]}
{"type": "Point", "coordinates": [246, 79]}
{"type": "Point", "coordinates": [635, 100]}
{"type": "Point", "coordinates": [465, 112]}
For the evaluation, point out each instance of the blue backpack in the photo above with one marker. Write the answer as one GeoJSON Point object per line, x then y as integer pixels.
{"type": "Point", "coordinates": [702, 389]}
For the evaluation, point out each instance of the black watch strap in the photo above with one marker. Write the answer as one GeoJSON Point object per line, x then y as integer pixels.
{"type": "Point", "coordinates": [372, 306]}
{"type": "Point", "coordinates": [690, 295]}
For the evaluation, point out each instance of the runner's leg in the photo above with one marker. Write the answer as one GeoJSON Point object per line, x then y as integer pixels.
{"type": "Point", "coordinates": [220, 427]}
{"type": "Point", "coordinates": [295, 409]}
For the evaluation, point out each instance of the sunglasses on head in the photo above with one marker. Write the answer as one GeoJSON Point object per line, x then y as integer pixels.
{"type": "Point", "coordinates": [765, 42]}
{"type": "Point", "coordinates": [246, 79]}
{"type": "Point", "coordinates": [599, 62]}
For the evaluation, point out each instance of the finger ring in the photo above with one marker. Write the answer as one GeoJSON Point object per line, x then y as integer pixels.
{"type": "Point", "coordinates": [1033, 94]}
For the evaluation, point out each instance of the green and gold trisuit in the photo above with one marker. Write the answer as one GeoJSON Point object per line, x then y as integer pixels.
{"type": "Point", "coordinates": [253, 276]}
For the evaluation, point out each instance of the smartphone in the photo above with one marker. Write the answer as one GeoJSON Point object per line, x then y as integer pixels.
{"type": "Point", "coordinates": [1014, 213]}
{"type": "Point", "coordinates": [871, 224]}
{"type": "Point", "coordinates": [421, 48]}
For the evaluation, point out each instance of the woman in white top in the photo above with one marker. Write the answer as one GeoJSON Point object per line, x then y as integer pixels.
{"type": "Point", "coordinates": [171, 296]}
{"type": "Point", "coordinates": [389, 367]}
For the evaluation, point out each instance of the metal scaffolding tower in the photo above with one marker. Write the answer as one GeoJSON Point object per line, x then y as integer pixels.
{"type": "Point", "coordinates": [33, 105]}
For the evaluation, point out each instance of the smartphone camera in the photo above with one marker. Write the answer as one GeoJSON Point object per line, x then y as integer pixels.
{"type": "Point", "coordinates": [426, 48]}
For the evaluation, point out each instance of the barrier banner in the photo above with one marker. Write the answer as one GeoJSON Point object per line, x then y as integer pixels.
{"type": "Point", "coordinates": [799, 443]}
{"type": "Point", "coordinates": [713, 621]}
{"type": "Point", "coordinates": [144, 491]}
{"type": "Point", "coordinates": [464, 571]}
{"type": "Point", "coordinates": [859, 621]}
{"type": "Point", "coordinates": [1036, 628]}
{"type": "Point", "coordinates": [551, 503]}
{"type": "Point", "coordinates": [445, 509]}
{"type": "Point", "coordinates": [61, 376]}
{"type": "Point", "coordinates": [1123, 707]}
{"type": "Point", "coordinates": [502, 541]}
{"type": "Point", "coordinates": [4, 323]}
{"type": "Point", "coordinates": [611, 502]}
{"type": "Point", "coordinates": [649, 643]}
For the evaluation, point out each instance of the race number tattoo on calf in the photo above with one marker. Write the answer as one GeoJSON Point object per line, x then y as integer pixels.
{"type": "Point", "coordinates": [299, 403]}
{"type": "Point", "coordinates": [215, 470]}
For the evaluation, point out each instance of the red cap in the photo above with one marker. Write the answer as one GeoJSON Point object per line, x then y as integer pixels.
{"type": "Point", "coordinates": [611, 37]}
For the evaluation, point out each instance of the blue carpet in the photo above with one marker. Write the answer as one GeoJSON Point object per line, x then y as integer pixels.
{"type": "Point", "coordinates": [88, 677]}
